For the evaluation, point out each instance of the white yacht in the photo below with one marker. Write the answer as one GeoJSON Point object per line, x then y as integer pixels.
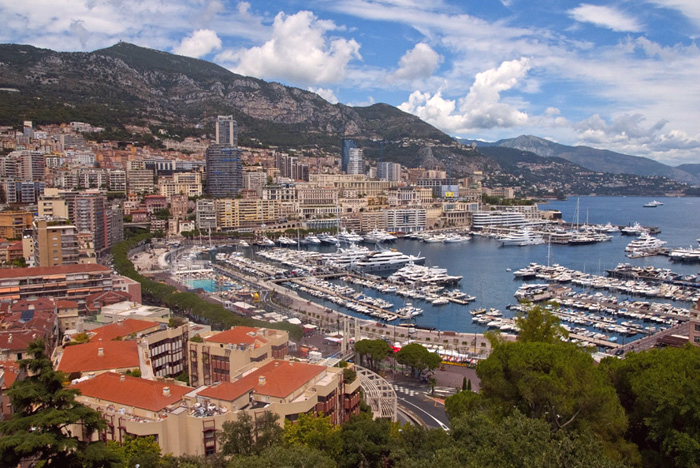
{"type": "Point", "coordinates": [652, 204]}
{"type": "Point", "coordinates": [327, 238]}
{"type": "Point", "coordinates": [435, 239]}
{"type": "Point", "coordinates": [266, 242]}
{"type": "Point", "coordinates": [384, 260]}
{"type": "Point", "coordinates": [346, 257]}
{"type": "Point", "coordinates": [456, 239]}
{"type": "Point", "coordinates": [414, 274]}
{"type": "Point", "coordinates": [645, 242]}
{"type": "Point", "coordinates": [311, 239]}
{"type": "Point", "coordinates": [520, 238]}
{"type": "Point", "coordinates": [635, 230]}
{"type": "Point", "coordinates": [284, 240]}
{"type": "Point", "coordinates": [349, 237]}
{"type": "Point", "coordinates": [378, 236]}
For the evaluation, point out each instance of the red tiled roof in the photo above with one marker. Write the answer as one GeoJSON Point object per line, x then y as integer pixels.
{"type": "Point", "coordinates": [132, 391]}
{"type": "Point", "coordinates": [66, 304]}
{"type": "Point", "coordinates": [38, 304]}
{"type": "Point", "coordinates": [237, 335]}
{"type": "Point", "coordinates": [84, 357]}
{"type": "Point", "coordinates": [281, 379]}
{"type": "Point", "coordinates": [11, 369]}
{"type": "Point", "coordinates": [6, 273]}
{"type": "Point", "coordinates": [17, 340]}
{"type": "Point", "coordinates": [121, 329]}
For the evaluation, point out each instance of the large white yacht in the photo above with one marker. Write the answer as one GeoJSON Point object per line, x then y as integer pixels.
{"type": "Point", "coordinates": [522, 237]}
{"type": "Point", "coordinates": [378, 236]}
{"type": "Point", "coordinates": [384, 260]}
{"type": "Point", "coordinates": [645, 242]}
{"type": "Point", "coordinates": [346, 257]}
{"type": "Point", "coordinates": [345, 236]}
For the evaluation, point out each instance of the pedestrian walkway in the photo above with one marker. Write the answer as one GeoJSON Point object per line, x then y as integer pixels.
{"type": "Point", "coordinates": [406, 390]}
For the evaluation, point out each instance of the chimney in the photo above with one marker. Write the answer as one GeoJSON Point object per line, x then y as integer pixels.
{"type": "Point", "coordinates": [277, 364]}
{"type": "Point", "coordinates": [122, 378]}
{"type": "Point", "coordinates": [166, 391]}
{"type": "Point", "coordinates": [9, 339]}
{"type": "Point", "coordinates": [261, 380]}
{"type": "Point", "coordinates": [100, 352]}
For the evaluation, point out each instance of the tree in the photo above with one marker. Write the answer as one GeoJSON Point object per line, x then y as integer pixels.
{"type": "Point", "coordinates": [288, 457]}
{"type": "Point", "coordinates": [267, 431]}
{"type": "Point", "coordinates": [539, 325]}
{"type": "Point", "coordinates": [138, 451]}
{"type": "Point", "coordinates": [44, 413]}
{"type": "Point", "coordinates": [464, 383]}
{"type": "Point", "coordinates": [374, 350]}
{"type": "Point", "coordinates": [418, 358]}
{"type": "Point", "coordinates": [237, 437]}
{"type": "Point", "coordinates": [558, 383]}
{"type": "Point", "coordinates": [365, 442]}
{"type": "Point", "coordinates": [316, 432]}
{"type": "Point", "coordinates": [660, 391]}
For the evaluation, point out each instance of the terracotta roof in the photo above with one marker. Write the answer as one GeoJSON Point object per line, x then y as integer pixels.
{"type": "Point", "coordinates": [56, 270]}
{"type": "Point", "coordinates": [11, 369]}
{"type": "Point", "coordinates": [17, 340]}
{"type": "Point", "coordinates": [66, 304]}
{"type": "Point", "coordinates": [281, 379]}
{"type": "Point", "coordinates": [121, 329]}
{"type": "Point", "coordinates": [237, 335]}
{"type": "Point", "coordinates": [84, 357]}
{"type": "Point", "coordinates": [131, 391]}
{"type": "Point", "coordinates": [40, 303]}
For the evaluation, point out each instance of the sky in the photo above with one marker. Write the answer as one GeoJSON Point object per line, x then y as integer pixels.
{"type": "Point", "coordinates": [618, 75]}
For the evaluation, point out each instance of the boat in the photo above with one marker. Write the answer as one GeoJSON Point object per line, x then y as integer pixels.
{"type": "Point", "coordinates": [455, 239]}
{"type": "Point", "coordinates": [435, 239]}
{"type": "Point", "coordinates": [243, 243]}
{"type": "Point", "coordinates": [385, 260]}
{"type": "Point", "coordinates": [635, 230]}
{"type": "Point", "coordinates": [265, 242]}
{"type": "Point", "coordinates": [349, 236]}
{"type": "Point", "coordinates": [521, 238]}
{"type": "Point", "coordinates": [311, 239]}
{"type": "Point", "coordinates": [644, 243]}
{"type": "Point", "coordinates": [378, 236]}
{"type": "Point", "coordinates": [652, 204]}
{"type": "Point", "coordinates": [326, 238]}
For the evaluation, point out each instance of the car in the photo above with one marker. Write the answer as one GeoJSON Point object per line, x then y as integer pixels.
{"type": "Point", "coordinates": [619, 352]}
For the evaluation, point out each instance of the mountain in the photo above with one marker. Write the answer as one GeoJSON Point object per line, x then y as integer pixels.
{"type": "Point", "coordinates": [599, 160]}
{"type": "Point", "coordinates": [130, 85]}
{"type": "Point", "coordinates": [693, 169]}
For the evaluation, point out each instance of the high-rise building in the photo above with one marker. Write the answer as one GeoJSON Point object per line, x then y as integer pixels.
{"type": "Point", "coordinates": [345, 147]}
{"type": "Point", "coordinates": [389, 171]}
{"type": "Point", "coordinates": [55, 243]}
{"type": "Point", "coordinates": [224, 171]}
{"type": "Point", "coordinates": [90, 215]}
{"type": "Point", "coordinates": [356, 161]}
{"type": "Point", "coordinates": [226, 131]}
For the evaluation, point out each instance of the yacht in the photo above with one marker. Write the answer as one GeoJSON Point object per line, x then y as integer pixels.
{"type": "Point", "coordinates": [384, 260]}
{"type": "Point", "coordinates": [378, 236]}
{"type": "Point", "coordinates": [520, 238]}
{"type": "Point", "coordinates": [326, 238]}
{"type": "Point", "coordinates": [349, 237]}
{"type": "Point", "coordinates": [346, 257]}
{"type": "Point", "coordinates": [635, 230]}
{"type": "Point", "coordinates": [312, 240]}
{"type": "Point", "coordinates": [266, 242]}
{"type": "Point", "coordinates": [652, 204]}
{"type": "Point", "coordinates": [689, 254]}
{"type": "Point", "coordinates": [284, 240]}
{"type": "Point", "coordinates": [645, 242]}
{"type": "Point", "coordinates": [455, 238]}
{"type": "Point", "coordinates": [435, 239]}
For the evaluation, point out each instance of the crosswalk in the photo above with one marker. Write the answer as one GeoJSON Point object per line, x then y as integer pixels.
{"type": "Point", "coordinates": [406, 390]}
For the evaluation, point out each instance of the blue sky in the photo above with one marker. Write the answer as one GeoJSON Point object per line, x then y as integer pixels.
{"type": "Point", "coordinates": [618, 75]}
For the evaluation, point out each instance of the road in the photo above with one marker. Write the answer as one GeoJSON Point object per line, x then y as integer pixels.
{"type": "Point", "coordinates": [415, 397]}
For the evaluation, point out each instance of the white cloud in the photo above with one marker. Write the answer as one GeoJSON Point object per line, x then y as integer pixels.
{"type": "Point", "coordinates": [690, 8]}
{"type": "Point", "coordinates": [480, 109]}
{"type": "Point", "coordinates": [299, 51]}
{"type": "Point", "coordinates": [419, 62]}
{"type": "Point", "coordinates": [198, 44]}
{"type": "Point", "coordinates": [325, 93]}
{"type": "Point", "coordinates": [606, 17]}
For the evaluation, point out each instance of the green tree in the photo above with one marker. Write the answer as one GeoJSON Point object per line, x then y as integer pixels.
{"type": "Point", "coordinates": [288, 457]}
{"type": "Point", "coordinates": [365, 443]}
{"type": "Point", "coordinates": [267, 431]}
{"type": "Point", "coordinates": [374, 351]}
{"type": "Point", "coordinates": [141, 451]}
{"type": "Point", "coordinates": [558, 383]}
{"type": "Point", "coordinates": [660, 391]}
{"type": "Point", "coordinates": [237, 437]}
{"type": "Point", "coordinates": [538, 324]}
{"type": "Point", "coordinates": [316, 432]}
{"type": "Point", "coordinates": [418, 358]}
{"type": "Point", "coordinates": [44, 411]}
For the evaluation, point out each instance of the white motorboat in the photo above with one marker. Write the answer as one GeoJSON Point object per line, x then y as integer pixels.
{"type": "Point", "coordinates": [384, 260]}
{"type": "Point", "coordinates": [635, 230]}
{"type": "Point", "coordinates": [652, 204]}
{"type": "Point", "coordinates": [455, 239]}
{"type": "Point", "coordinates": [521, 238]}
{"type": "Point", "coordinates": [645, 242]}
{"type": "Point", "coordinates": [311, 239]}
{"type": "Point", "coordinates": [435, 239]}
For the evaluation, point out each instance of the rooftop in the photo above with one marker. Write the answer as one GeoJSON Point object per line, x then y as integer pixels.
{"type": "Point", "coordinates": [86, 357]}
{"type": "Point", "coordinates": [14, 273]}
{"type": "Point", "coordinates": [238, 335]}
{"type": "Point", "coordinates": [132, 391]}
{"type": "Point", "coordinates": [121, 329]}
{"type": "Point", "coordinates": [277, 378]}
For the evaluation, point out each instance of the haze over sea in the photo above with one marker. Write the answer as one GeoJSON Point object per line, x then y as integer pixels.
{"type": "Point", "coordinates": [484, 263]}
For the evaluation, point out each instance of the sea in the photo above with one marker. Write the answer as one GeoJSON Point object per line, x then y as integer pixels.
{"type": "Point", "coordinates": [487, 267]}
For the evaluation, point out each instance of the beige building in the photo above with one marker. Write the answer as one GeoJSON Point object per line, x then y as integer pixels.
{"type": "Point", "coordinates": [14, 223]}
{"type": "Point", "coordinates": [181, 183]}
{"type": "Point", "coordinates": [55, 243]}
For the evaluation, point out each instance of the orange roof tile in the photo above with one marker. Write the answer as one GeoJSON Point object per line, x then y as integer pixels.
{"type": "Point", "coordinates": [237, 335]}
{"type": "Point", "coordinates": [121, 329]}
{"type": "Point", "coordinates": [84, 357]}
{"type": "Point", "coordinates": [18, 340]}
{"type": "Point", "coordinates": [132, 391]}
{"type": "Point", "coordinates": [11, 369]}
{"type": "Point", "coordinates": [56, 270]}
{"type": "Point", "coordinates": [66, 304]}
{"type": "Point", "coordinates": [281, 379]}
